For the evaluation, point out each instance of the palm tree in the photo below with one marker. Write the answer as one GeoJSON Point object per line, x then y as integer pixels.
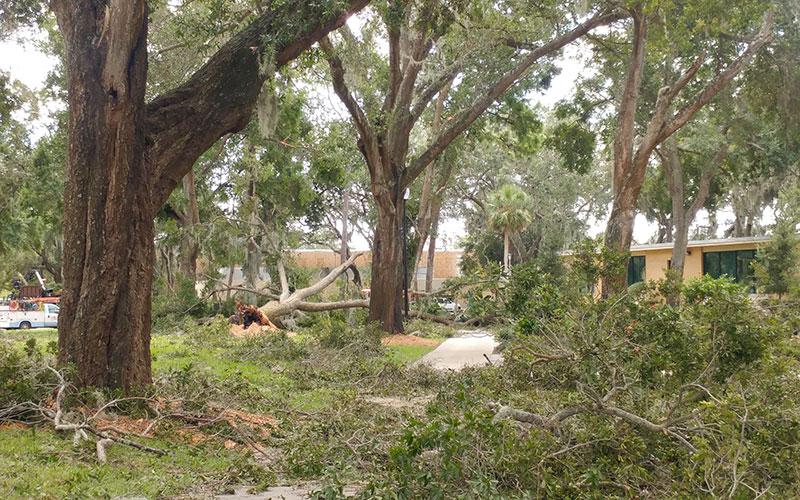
{"type": "Point", "coordinates": [509, 212]}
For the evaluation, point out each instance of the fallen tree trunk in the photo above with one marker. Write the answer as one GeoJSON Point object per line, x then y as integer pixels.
{"type": "Point", "coordinates": [431, 317]}
{"type": "Point", "coordinates": [287, 302]}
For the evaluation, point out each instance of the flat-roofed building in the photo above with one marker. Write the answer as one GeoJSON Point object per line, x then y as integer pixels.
{"type": "Point", "coordinates": [718, 257]}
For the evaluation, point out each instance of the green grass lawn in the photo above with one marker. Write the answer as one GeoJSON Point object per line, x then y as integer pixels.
{"type": "Point", "coordinates": [407, 354]}
{"type": "Point", "coordinates": [293, 379]}
{"type": "Point", "coordinates": [38, 463]}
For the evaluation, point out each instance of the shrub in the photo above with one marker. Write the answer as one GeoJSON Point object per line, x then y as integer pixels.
{"type": "Point", "coordinates": [336, 334]}
{"type": "Point", "coordinates": [24, 376]}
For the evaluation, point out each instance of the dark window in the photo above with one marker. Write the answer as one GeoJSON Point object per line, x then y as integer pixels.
{"type": "Point", "coordinates": [735, 264]}
{"type": "Point", "coordinates": [636, 268]}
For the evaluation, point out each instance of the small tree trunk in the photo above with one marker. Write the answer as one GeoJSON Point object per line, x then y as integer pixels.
{"type": "Point", "coordinates": [190, 250]}
{"type": "Point", "coordinates": [104, 325]}
{"type": "Point", "coordinates": [506, 251]}
{"type": "Point", "coordinates": [683, 215]}
{"type": "Point", "coordinates": [432, 252]}
{"type": "Point", "coordinates": [343, 254]}
{"type": "Point", "coordinates": [252, 266]}
{"type": "Point", "coordinates": [673, 172]}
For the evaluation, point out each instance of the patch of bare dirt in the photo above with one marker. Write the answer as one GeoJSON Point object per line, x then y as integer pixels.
{"type": "Point", "coordinates": [13, 426]}
{"type": "Point", "coordinates": [401, 339]}
{"type": "Point", "coordinates": [255, 330]}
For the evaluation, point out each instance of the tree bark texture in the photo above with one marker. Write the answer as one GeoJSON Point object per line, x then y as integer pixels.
{"type": "Point", "coordinates": [631, 156]}
{"type": "Point", "coordinates": [104, 324]}
{"type": "Point", "coordinates": [683, 215]}
{"type": "Point", "coordinates": [190, 219]}
{"type": "Point", "coordinates": [628, 175]}
{"type": "Point", "coordinates": [434, 234]}
{"type": "Point", "coordinates": [126, 157]}
{"type": "Point", "coordinates": [386, 288]}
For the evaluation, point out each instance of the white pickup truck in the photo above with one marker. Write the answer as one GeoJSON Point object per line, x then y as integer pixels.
{"type": "Point", "coordinates": [41, 315]}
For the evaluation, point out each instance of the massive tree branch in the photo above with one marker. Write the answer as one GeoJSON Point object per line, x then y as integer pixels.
{"type": "Point", "coordinates": [427, 94]}
{"type": "Point", "coordinates": [219, 97]}
{"type": "Point", "coordinates": [623, 141]}
{"type": "Point", "coordinates": [464, 119]}
{"type": "Point", "coordinates": [360, 119]}
{"type": "Point", "coordinates": [663, 102]}
{"type": "Point", "coordinates": [723, 79]}
{"type": "Point", "coordinates": [287, 303]}
{"type": "Point", "coordinates": [331, 306]}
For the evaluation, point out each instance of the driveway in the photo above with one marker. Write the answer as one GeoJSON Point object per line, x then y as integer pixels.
{"type": "Point", "coordinates": [469, 348]}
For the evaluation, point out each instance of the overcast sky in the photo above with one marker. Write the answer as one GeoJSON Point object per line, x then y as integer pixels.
{"type": "Point", "coordinates": [25, 63]}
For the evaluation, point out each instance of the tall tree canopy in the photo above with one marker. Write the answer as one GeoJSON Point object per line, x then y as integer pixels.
{"type": "Point", "coordinates": [475, 52]}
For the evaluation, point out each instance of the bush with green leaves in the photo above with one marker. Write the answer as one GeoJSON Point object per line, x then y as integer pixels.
{"type": "Point", "coordinates": [336, 334]}
{"type": "Point", "coordinates": [24, 375]}
{"type": "Point", "coordinates": [630, 396]}
{"type": "Point", "coordinates": [777, 264]}
{"type": "Point", "coordinates": [535, 297]}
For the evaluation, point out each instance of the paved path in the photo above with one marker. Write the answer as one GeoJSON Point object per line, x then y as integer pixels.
{"type": "Point", "coordinates": [469, 348]}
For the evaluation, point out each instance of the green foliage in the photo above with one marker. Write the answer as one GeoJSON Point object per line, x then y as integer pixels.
{"type": "Point", "coordinates": [40, 463]}
{"type": "Point", "coordinates": [777, 262]}
{"type": "Point", "coordinates": [23, 374]}
{"type": "Point", "coordinates": [481, 289]}
{"type": "Point", "coordinates": [172, 304]}
{"type": "Point", "coordinates": [591, 261]}
{"type": "Point", "coordinates": [429, 329]}
{"type": "Point", "coordinates": [334, 334]}
{"type": "Point", "coordinates": [575, 144]}
{"type": "Point", "coordinates": [508, 207]}
{"type": "Point", "coordinates": [535, 297]}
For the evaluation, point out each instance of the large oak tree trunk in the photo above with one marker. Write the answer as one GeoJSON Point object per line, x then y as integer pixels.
{"type": "Point", "coordinates": [104, 323]}
{"type": "Point", "coordinates": [386, 289]}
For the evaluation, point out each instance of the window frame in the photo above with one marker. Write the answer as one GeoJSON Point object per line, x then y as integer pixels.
{"type": "Point", "coordinates": [632, 269]}
{"type": "Point", "coordinates": [742, 278]}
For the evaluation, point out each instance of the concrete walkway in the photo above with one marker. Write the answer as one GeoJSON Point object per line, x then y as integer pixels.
{"type": "Point", "coordinates": [469, 348]}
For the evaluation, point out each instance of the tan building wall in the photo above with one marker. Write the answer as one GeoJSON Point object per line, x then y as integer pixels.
{"type": "Point", "coordinates": [657, 257]}
{"type": "Point", "coordinates": [318, 259]}
{"type": "Point", "coordinates": [445, 263]}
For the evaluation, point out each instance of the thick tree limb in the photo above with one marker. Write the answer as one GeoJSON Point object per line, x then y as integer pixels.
{"type": "Point", "coordinates": [219, 97]}
{"type": "Point", "coordinates": [666, 95]}
{"type": "Point", "coordinates": [426, 95]}
{"type": "Point", "coordinates": [343, 92]}
{"type": "Point", "coordinates": [287, 303]}
{"type": "Point", "coordinates": [331, 306]}
{"type": "Point", "coordinates": [464, 119]}
{"type": "Point", "coordinates": [623, 140]}
{"type": "Point", "coordinates": [723, 79]}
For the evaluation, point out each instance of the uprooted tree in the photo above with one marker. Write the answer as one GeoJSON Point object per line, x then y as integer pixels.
{"type": "Point", "coordinates": [125, 157]}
